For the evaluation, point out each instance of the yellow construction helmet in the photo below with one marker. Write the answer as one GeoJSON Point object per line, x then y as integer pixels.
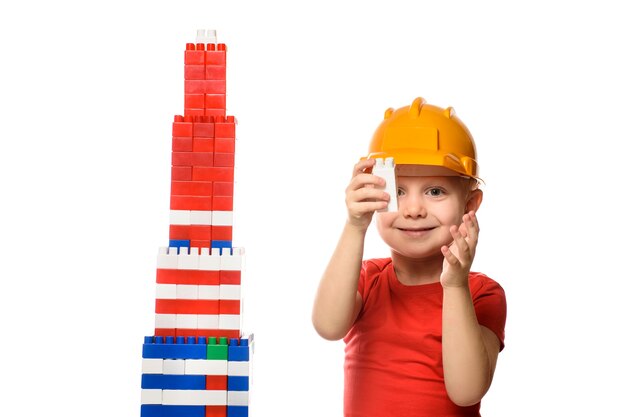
{"type": "Point", "coordinates": [423, 134]}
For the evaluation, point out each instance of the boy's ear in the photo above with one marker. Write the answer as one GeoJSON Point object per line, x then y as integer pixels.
{"type": "Point", "coordinates": [473, 200]}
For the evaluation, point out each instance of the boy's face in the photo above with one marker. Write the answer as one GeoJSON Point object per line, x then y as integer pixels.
{"type": "Point", "coordinates": [427, 207]}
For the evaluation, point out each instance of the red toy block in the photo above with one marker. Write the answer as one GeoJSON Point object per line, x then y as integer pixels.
{"type": "Point", "coordinates": [195, 87]}
{"type": "Point", "coordinates": [192, 56]}
{"type": "Point", "coordinates": [204, 129]}
{"type": "Point", "coordinates": [230, 277]}
{"type": "Point", "coordinates": [224, 160]}
{"type": "Point", "coordinates": [203, 144]}
{"type": "Point", "coordinates": [188, 276]}
{"type": "Point", "coordinates": [215, 101]}
{"type": "Point", "coordinates": [182, 159]}
{"type": "Point", "coordinates": [184, 144]}
{"type": "Point", "coordinates": [225, 130]}
{"type": "Point", "coordinates": [179, 232]}
{"type": "Point", "coordinates": [190, 203]}
{"type": "Point", "coordinates": [195, 72]}
{"type": "Point", "coordinates": [182, 173]}
{"type": "Point", "coordinates": [214, 86]}
{"type": "Point", "coordinates": [215, 58]}
{"type": "Point", "coordinates": [215, 72]}
{"type": "Point", "coordinates": [222, 232]}
{"type": "Point", "coordinates": [230, 307]}
{"type": "Point", "coordinates": [181, 128]}
{"type": "Point", "coordinates": [213, 174]}
{"type": "Point", "coordinates": [216, 382]}
{"type": "Point", "coordinates": [197, 188]}
{"type": "Point", "coordinates": [190, 111]}
{"type": "Point", "coordinates": [202, 159]}
{"type": "Point", "coordinates": [194, 101]}
{"type": "Point", "coordinates": [200, 232]}
{"type": "Point", "coordinates": [223, 189]}
{"type": "Point", "coordinates": [165, 332]}
{"type": "Point", "coordinates": [224, 145]}
{"type": "Point", "coordinates": [214, 112]}
{"type": "Point", "coordinates": [222, 203]}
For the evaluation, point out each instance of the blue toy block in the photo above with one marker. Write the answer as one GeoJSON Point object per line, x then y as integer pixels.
{"type": "Point", "coordinates": [237, 411]}
{"type": "Point", "coordinates": [238, 350]}
{"type": "Point", "coordinates": [178, 244]}
{"type": "Point", "coordinates": [222, 244]}
{"type": "Point", "coordinates": [156, 348]}
{"type": "Point", "coordinates": [238, 383]}
{"type": "Point", "coordinates": [160, 381]}
{"type": "Point", "coordinates": [156, 410]}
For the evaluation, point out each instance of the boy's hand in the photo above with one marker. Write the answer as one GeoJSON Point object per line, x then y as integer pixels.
{"type": "Point", "coordinates": [362, 198]}
{"type": "Point", "coordinates": [459, 256]}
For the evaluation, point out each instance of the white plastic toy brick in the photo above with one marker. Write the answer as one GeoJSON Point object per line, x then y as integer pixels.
{"type": "Point", "coordinates": [186, 292]}
{"type": "Point", "coordinates": [208, 292]}
{"type": "Point", "coordinates": [186, 321]}
{"type": "Point", "coordinates": [206, 367]}
{"type": "Point", "coordinates": [230, 322]}
{"type": "Point", "coordinates": [166, 291]}
{"type": "Point", "coordinates": [222, 218]}
{"type": "Point", "coordinates": [167, 258]}
{"type": "Point", "coordinates": [387, 169]}
{"type": "Point", "coordinates": [209, 259]}
{"type": "Point", "coordinates": [151, 396]}
{"type": "Point", "coordinates": [238, 398]}
{"type": "Point", "coordinates": [236, 368]}
{"type": "Point", "coordinates": [232, 261]}
{"type": "Point", "coordinates": [174, 367]}
{"type": "Point", "coordinates": [208, 321]}
{"type": "Point", "coordinates": [230, 292]}
{"type": "Point", "coordinates": [165, 321]}
{"type": "Point", "coordinates": [206, 36]}
{"type": "Point", "coordinates": [180, 217]}
{"type": "Point", "coordinates": [189, 260]}
{"type": "Point", "coordinates": [151, 366]}
{"type": "Point", "coordinates": [194, 397]}
{"type": "Point", "coordinates": [202, 218]}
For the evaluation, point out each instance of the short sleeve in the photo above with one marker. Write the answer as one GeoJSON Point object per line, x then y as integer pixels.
{"type": "Point", "coordinates": [490, 306]}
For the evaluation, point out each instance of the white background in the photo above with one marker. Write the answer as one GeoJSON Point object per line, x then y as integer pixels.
{"type": "Point", "coordinates": [88, 91]}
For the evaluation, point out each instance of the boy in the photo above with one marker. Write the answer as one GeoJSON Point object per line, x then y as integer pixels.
{"type": "Point", "coordinates": [422, 332]}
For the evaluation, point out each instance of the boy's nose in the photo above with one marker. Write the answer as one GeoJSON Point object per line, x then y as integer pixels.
{"type": "Point", "coordinates": [413, 208]}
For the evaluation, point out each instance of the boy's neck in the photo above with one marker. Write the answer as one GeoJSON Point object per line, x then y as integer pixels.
{"type": "Point", "coordinates": [412, 271]}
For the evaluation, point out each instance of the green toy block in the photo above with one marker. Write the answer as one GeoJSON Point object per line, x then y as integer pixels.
{"type": "Point", "coordinates": [217, 350]}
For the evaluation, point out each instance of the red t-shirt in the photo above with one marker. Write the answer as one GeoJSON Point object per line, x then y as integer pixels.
{"type": "Point", "coordinates": [393, 364]}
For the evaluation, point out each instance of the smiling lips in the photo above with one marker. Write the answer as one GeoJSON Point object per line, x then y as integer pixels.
{"type": "Point", "coordinates": [416, 231]}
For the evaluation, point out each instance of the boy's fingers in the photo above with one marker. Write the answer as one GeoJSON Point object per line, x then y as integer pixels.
{"type": "Point", "coordinates": [361, 166]}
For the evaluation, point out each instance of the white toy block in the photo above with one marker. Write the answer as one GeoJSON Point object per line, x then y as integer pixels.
{"type": "Point", "coordinates": [222, 218]}
{"type": "Point", "coordinates": [238, 398]}
{"type": "Point", "coordinates": [180, 217]}
{"type": "Point", "coordinates": [232, 261]}
{"type": "Point", "coordinates": [208, 292]}
{"type": "Point", "coordinates": [167, 258]}
{"type": "Point", "coordinates": [186, 292]}
{"type": "Point", "coordinates": [206, 36]}
{"type": "Point", "coordinates": [174, 366]}
{"type": "Point", "coordinates": [165, 321]}
{"type": "Point", "coordinates": [206, 367]}
{"type": "Point", "coordinates": [236, 368]}
{"type": "Point", "coordinates": [194, 397]}
{"type": "Point", "coordinates": [166, 291]}
{"type": "Point", "coordinates": [230, 292]}
{"type": "Point", "coordinates": [209, 260]}
{"type": "Point", "coordinates": [189, 259]}
{"type": "Point", "coordinates": [151, 396]}
{"type": "Point", "coordinates": [230, 322]}
{"type": "Point", "coordinates": [202, 218]}
{"type": "Point", "coordinates": [151, 366]}
{"type": "Point", "coordinates": [387, 169]}
{"type": "Point", "coordinates": [186, 321]}
{"type": "Point", "coordinates": [208, 321]}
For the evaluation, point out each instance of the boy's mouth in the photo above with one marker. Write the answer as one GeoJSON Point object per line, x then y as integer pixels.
{"type": "Point", "coordinates": [415, 230]}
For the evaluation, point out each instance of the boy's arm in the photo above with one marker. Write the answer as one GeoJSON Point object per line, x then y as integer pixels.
{"type": "Point", "coordinates": [338, 302]}
{"type": "Point", "coordinates": [470, 351]}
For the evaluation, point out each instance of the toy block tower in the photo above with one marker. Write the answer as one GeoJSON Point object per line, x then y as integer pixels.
{"type": "Point", "coordinates": [197, 363]}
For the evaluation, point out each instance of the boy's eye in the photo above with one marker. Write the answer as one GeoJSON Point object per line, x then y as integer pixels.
{"type": "Point", "coordinates": [400, 192]}
{"type": "Point", "coordinates": [435, 192]}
